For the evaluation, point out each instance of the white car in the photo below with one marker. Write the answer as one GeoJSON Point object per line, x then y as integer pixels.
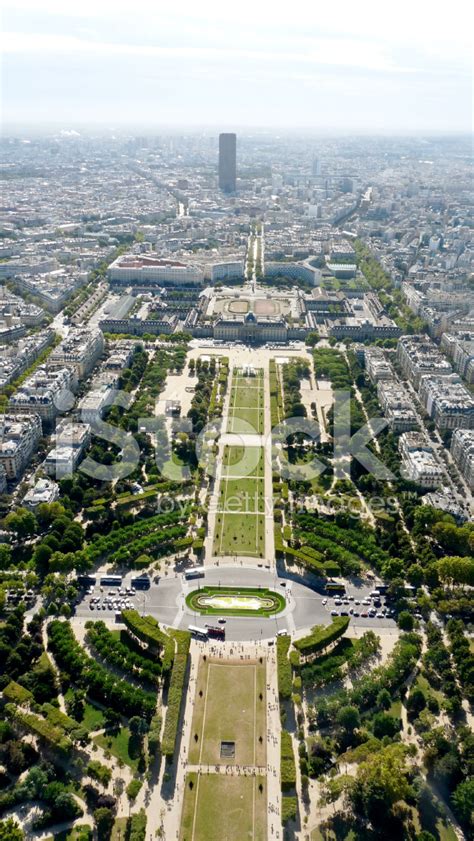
{"type": "Point", "coordinates": [334, 613]}
{"type": "Point", "coordinates": [325, 601]}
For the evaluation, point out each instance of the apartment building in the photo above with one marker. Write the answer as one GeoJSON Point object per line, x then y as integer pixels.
{"type": "Point", "coordinates": [397, 406]}
{"type": "Point", "coordinates": [377, 367]}
{"type": "Point", "coordinates": [459, 348]}
{"type": "Point", "coordinates": [80, 350]}
{"type": "Point", "coordinates": [418, 355]}
{"type": "Point", "coordinates": [19, 437]}
{"type": "Point", "coordinates": [419, 463]}
{"type": "Point", "coordinates": [447, 401]}
{"type": "Point", "coordinates": [462, 450]}
{"type": "Point", "coordinates": [46, 393]}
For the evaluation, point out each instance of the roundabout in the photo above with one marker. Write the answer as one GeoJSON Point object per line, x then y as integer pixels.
{"type": "Point", "coordinates": [236, 601]}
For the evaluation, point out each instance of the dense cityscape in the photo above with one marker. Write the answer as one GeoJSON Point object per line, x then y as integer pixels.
{"type": "Point", "coordinates": [236, 487]}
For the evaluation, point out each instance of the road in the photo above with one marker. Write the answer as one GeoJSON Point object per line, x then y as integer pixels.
{"type": "Point", "coordinates": [166, 602]}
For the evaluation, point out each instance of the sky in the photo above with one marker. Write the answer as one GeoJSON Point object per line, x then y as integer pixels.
{"type": "Point", "coordinates": [362, 67]}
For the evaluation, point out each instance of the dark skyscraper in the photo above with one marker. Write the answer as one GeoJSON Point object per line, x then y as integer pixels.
{"type": "Point", "coordinates": [227, 162]}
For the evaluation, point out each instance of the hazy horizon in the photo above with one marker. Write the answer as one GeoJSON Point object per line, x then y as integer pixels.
{"type": "Point", "coordinates": [330, 70]}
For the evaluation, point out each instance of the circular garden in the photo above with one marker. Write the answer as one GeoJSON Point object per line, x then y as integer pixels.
{"type": "Point", "coordinates": [235, 601]}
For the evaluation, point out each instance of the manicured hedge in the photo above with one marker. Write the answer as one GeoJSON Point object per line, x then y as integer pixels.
{"type": "Point", "coordinates": [59, 719]}
{"type": "Point", "coordinates": [147, 629]}
{"type": "Point", "coordinates": [320, 636]}
{"type": "Point", "coordinates": [17, 694]}
{"type": "Point", "coordinates": [289, 806]}
{"type": "Point", "coordinates": [53, 736]}
{"type": "Point", "coordinates": [287, 762]}
{"type": "Point", "coordinates": [175, 692]}
{"type": "Point", "coordinates": [284, 667]}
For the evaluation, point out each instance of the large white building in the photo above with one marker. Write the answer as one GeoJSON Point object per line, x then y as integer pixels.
{"type": "Point", "coordinates": [19, 436]}
{"type": "Point", "coordinates": [71, 441]}
{"type": "Point", "coordinates": [419, 462]}
{"type": "Point", "coordinates": [143, 270]}
{"type": "Point", "coordinates": [44, 491]}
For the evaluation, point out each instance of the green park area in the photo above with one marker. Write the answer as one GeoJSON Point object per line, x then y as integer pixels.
{"type": "Point", "coordinates": [246, 407]}
{"type": "Point", "coordinates": [229, 710]}
{"type": "Point", "coordinates": [240, 521]}
{"type": "Point", "coordinates": [235, 601]}
{"type": "Point", "coordinates": [218, 807]}
{"type": "Point", "coordinates": [240, 461]}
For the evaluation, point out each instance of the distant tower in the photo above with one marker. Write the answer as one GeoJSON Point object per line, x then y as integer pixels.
{"type": "Point", "coordinates": [316, 167]}
{"type": "Point", "coordinates": [227, 162]}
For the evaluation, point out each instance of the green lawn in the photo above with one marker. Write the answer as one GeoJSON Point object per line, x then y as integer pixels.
{"type": "Point", "coordinates": [228, 707]}
{"type": "Point", "coordinates": [70, 834]}
{"type": "Point", "coordinates": [241, 496]}
{"type": "Point", "coordinates": [247, 391]}
{"type": "Point", "coordinates": [119, 829]}
{"type": "Point", "coordinates": [244, 461]}
{"type": "Point", "coordinates": [246, 422]}
{"type": "Point", "coordinates": [240, 534]}
{"type": "Point", "coordinates": [246, 404]}
{"type": "Point", "coordinates": [220, 808]}
{"type": "Point", "coordinates": [121, 745]}
{"type": "Point", "coordinates": [93, 717]}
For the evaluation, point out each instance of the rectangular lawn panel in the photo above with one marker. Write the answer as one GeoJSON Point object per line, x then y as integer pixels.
{"type": "Point", "coordinates": [244, 461]}
{"type": "Point", "coordinates": [241, 496]}
{"type": "Point", "coordinates": [247, 395]}
{"type": "Point", "coordinates": [240, 534]}
{"type": "Point", "coordinates": [220, 808]}
{"type": "Point", "coordinates": [231, 708]}
{"type": "Point", "coordinates": [246, 421]}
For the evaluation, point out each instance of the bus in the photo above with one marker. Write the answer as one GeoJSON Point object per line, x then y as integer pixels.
{"type": "Point", "coordinates": [198, 633]}
{"type": "Point", "coordinates": [86, 580]}
{"type": "Point", "coordinates": [141, 582]}
{"type": "Point", "coordinates": [215, 632]}
{"type": "Point", "coordinates": [332, 588]}
{"type": "Point", "coordinates": [197, 572]}
{"type": "Point", "coordinates": [111, 581]}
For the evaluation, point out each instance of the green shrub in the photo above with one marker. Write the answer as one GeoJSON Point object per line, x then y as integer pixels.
{"type": "Point", "coordinates": [147, 629]}
{"type": "Point", "coordinates": [175, 692]}
{"type": "Point", "coordinates": [320, 637]}
{"type": "Point", "coordinates": [284, 667]}
{"type": "Point", "coordinates": [17, 694]}
{"type": "Point", "coordinates": [287, 762]}
{"type": "Point", "coordinates": [289, 805]}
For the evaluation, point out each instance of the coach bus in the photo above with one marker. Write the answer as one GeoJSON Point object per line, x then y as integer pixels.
{"type": "Point", "coordinates": [111, 581]}
{"type": "Point", "coordinates": [197, 572]}
{"type": "Point", "coordinates": [86, 580]}
{"type": "Point", "coordinates": [141, 582]}
{"type": "Point", "coordinates": [332, 588]}
{"type": "Point", "coordinates": [215, 632]}
{"type": "Point", "coordinates": [198, 633]}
